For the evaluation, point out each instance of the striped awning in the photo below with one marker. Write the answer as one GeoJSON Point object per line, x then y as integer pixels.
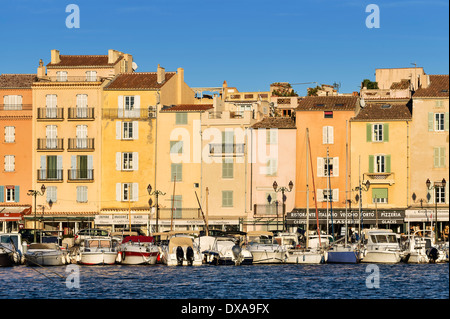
{"type": "Point", "coordinates": [14, 213]}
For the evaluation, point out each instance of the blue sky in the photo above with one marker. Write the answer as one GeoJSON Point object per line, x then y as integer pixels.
{"type": "Point", "coordinates": [248, 43]}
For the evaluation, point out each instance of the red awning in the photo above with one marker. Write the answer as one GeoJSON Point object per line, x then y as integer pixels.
{"type": "Point", "coordinates": [13, 213]}
{"type": "Point", "coordinates": [141, 239]}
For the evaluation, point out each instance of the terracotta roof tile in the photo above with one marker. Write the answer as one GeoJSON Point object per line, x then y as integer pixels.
{"type": "Point", "coordinates": [188, 108]}
{"type": "Point", "coordinates": [276, 122]}
{"type": "Point", "coordinates": [137, 80]}
{"type": "Point", "coordinates": [439, 85]}
{"type": "Point", "coordinates": [402, 85]}
{"type": "Point", "coordinates": [331, 103]}
{"type": "Point", "coordinates": [17, 80]}
{"type": "Point", "coordinates": [83, 60]}
{"type": "Point", "coordinates": [384, 111]}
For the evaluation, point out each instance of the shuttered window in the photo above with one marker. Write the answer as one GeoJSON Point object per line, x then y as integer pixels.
{"type": "Point", "coordinates": [181, 118]}
{"type": "Point", "coordinates": [82, 194]}
{"type": "Point", "coordinates": [51, 192]}
{"type": "Point", "coordinates": [380, 195]}
{"type": "Point", "coordinates": [176, 172]}
{"type": "Point", "coordinates": [328, 135]}
{"type": "Point", "coordinates": [10, 163]}
{"type": "Point", "coordinates": [227, 198]}
{"type": "Point", "coordinates": [439, 157]}
{"type": "Point", "coordinates": [227, 168]}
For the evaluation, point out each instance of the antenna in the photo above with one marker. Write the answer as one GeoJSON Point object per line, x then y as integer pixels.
{"type": "Point", "coordinates": [362, 103]}
{"type": "Point", "coordinates": [337, 86]}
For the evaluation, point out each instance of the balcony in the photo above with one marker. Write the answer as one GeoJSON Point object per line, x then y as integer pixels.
{"type": "Point", "coordinates": [80, 175]}
{"type": "Point", "coordinates": [50, 144]}
{"type": "Point", "coordinates": [380, 178]}
{"type": "Point", "coordinates": [268, 210]}
{"type": "Point", "coordinates": [50, 175]}
{"type": "Point", "coordinates": [50, 114]}
{"type": "Point", "coordinates": [81, 144]}
{"type": "Point", "coordinates": [142, 113]}
{"type": "Point", "coordinates": [81, 113]}
{"type": "Point", "coordinates": [16, 107]}
{"type": "Point", "coordinates": [226, 149]}
{"type": "Point", "coordinates": [64, 78]}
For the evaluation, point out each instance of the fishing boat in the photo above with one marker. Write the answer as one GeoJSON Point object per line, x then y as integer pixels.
{"type": "Point", "coordinates": [97, 251]}
{"type": "Point", "coordinates": [181, 250]}
{"type": "Point", "coordinates": [45, 254]}
{"type": "Point", "coordinates": [224, 251]}
{"type": "Point", "coordinates": [421, 248]}
{"type": "Point", "coordinates": [138, 250]}
{"type": "Point", "coordinates": [264, 249]}
{"type": "Point", "coordinates": [381, 246]}
{"type": "Point", "coordinates": [11, 249]}
{"type": "Point", "coordinates": [300, 254]}
{"type": "Point", "coordinates": [343, 254]}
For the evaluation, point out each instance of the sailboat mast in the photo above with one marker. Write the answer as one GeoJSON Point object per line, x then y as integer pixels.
{"type": "Point", "coordinates": [315, 195]}
{"type": "Point", "coordinates": [328, 188]}
{"type": "Point", "coordinates": [307, 190]}
{"type": "Point", "coordinates": [173, 202]}
{"type": "Point", "coordinates": [346, 180]}
{"type": "Point", "coordinates": [330, 195]}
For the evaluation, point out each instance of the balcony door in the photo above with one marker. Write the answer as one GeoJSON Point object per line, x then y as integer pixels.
{"type": "Point", "coordinates": [51, 136]}
{"type": "Point", "coordinates": [82, 106]}
{"type": "Point", "coordinates": [81, 136]}
{"type": "Point", "coordinates": [51, 104]}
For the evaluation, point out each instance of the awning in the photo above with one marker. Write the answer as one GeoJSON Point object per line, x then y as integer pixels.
{"type": "Point", "coordinates": [426, 215]}
{"type": "Point", "coordinates": [15, 213]}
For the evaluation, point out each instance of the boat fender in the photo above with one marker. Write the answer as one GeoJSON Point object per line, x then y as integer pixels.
{"type": "Point", "coordinates": [432, 254]}
{"type": "Point", "coordinates": [190, 255]}
{"type": "Point", "coordinates": [236, 251]}
{"type": "Point", "coordinates": [119, 257]}
{"type": "Point", "coordinates": [180, 255]}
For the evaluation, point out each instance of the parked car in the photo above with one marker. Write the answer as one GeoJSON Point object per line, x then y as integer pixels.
{"type": "Point", "coordinates": [28, 235]}
{"type": "Point", "coordinates": [90, 232]}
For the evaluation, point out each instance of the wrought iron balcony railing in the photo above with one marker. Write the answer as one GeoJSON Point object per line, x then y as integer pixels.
{"type": "Point", "coordinates": [50, 113]}
{"type": "Point", "coordinates": [80, 175]}
{"type": "Point", "coordinates": [81, 144]}
{"type": "Point", "coordinates": [81, 113]}
{"type": "Point", "coordinates": [226, 149]}
{"type": "Point", "coordinates": [49, 175]}
{"type": "Point", "coordinates": [50, 144]}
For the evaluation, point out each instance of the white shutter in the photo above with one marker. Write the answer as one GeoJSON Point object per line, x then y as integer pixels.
{"type": "Point", "coordinates": [320, 167]}
{"type": "Point", "coordinates": [325, 135]}
{"type": "Point", "coordinates": [135, 192]}
{"type": "Point", "coordinates": [118, 130]}
{"type": "Point", "coordinates": [137, 101]}
{"type": "Point", "coordinates": [336, 166]}
{"type": "Point", "coordinates": [330, 135]}
{"type": "Point", "coordinates": [118, 161]}
{"type": "Point", "coordinates": [118, 192]}
{"type": "Point", "coordinates": [319, 195]}
{"type": "Point", "coordinates": [120, 106]}
{"type": "Point", "coordinates": [336, 195]}
{"type": "Point", "coordinates": [135, 161]}
{"type": "Point", "coordinates": [135, 130]}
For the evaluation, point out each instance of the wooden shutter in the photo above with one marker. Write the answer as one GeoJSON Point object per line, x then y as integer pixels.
{"type": "Point", "coordinates": [2, 194]}
{"type": "Point", "coordinates": [135, 161]}
{"type": "Point", "coordinates": [319, 193]}
{"type": "Point", "coordinates": [335, 166]}
{"type": "Point", "coordinates": [320, 167]}
{"type": "Point", "coordinates": [325, 135]}
{"type": "Point", "coordinates": [388, 163]}
{"type": "Point", "coordinates": [118, 130]}
{"type": "Point", "coordinates": [135, 130]}
{"type": "Point", "coordinates": [386, 132]}
{"type": "Point", "coordinates": [371, 159]}
{"type": "Point", "coordinates": [369, 132]}
{"type": "Point", "coordinates": [118, 192]}
{"type": "Point", "coordinates": [135, 192]}
{"type": "Point", "coordinates": [336, 195]}
{"type": "Point", "coordinates": [118, 161]}
{"type": "Point", "coordinates": [430, 121]}
{"type": "Point", "coordinates": [446, 114]}
{"type": "Point", "coordinates": [120, 106]}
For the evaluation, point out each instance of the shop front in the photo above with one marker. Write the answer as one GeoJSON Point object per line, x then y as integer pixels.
{"type": "Point", "coordinates": [12, 218]}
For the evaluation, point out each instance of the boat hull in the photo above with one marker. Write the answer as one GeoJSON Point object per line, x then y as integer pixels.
{"type": "Point", "coordinates": [45, 259]}
{"type": "Point", "coordinates": [5, 260]}
{"type": "Point", "coordinates": [139, 258]}
{"type": "Point", "coordinates": [98, 258]}
{"type": "Point", "coordinates": [171, 260]}
{"type": "Point", "coordinates": [268, 257]}
{"type": "Point", "coordinates": [343, 257]}
{"type": "Point", "coordinates": [304, 257]}
{"type": "Point", "coordinates": [384, 257]}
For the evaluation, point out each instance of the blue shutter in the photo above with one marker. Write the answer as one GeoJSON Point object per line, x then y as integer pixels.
{"type": "Point", "coordinates": [2, 194]}
{"type": "Point", "coordinates": [17, 193]}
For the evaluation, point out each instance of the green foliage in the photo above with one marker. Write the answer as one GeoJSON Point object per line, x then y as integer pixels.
{"type": "Point", "coordinates": [369, 84]}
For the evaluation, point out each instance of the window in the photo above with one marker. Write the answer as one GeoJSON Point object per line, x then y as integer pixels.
{"type": "Point", "coordinates": [91, 76]}
{"type": "Point", "coordinates": [129, 106]}
{"type": "Point", "coordinates": [330, 195]}
{"type": "Point", "coordinates": [81, 131]}
{"type": "Point", "coordinates": [324, 166]}
{"type": "Point", "coordinates": [328, 166]}
{"type": "Point", "coordinates": [328, 114]}
{"type": "Point", "coordinates": [51, 136]}
{"type": "Point", "coordinates": [10, 163]}
{"type": "Point", "coordinates": [227, 168]}
{"type": "Point", "coordinates": [380, 166]}
{"type": "Point", "coordinates": [12, 102]}
{"type": "Point", "coordinates": [439, 193]}
{"type": "Point", "coordinates": [380, 195]}
{"type": "Point", "coordinates": [176, 147]}
{"type": "Point", "coordinates": [176, 172]}
{"type": "Point", "coordinates": [272, 167]}
{"type": "Point", "coordinates": [51, 167]}
{"type": "Point", "coordinates": [272, 136]}
{"type": "Point", "coordinates": [61, 76]}
{"type": "Point", "coordinates": [51, 105]}
{"type": "Point", "coordinates": [176, 204]}
{"type": "Point", "coordinates": [81, 107]}
{"type": "Point", "coordinates": [82, 194]}
{"type": "Point", "coordinates": [129, 103]}
{"type": "Point", "coordinates": [10, 194]}
{"type": "Point", "coordinates": [10, 134]}
{"type": "Point", "coordinates": [127, 130]}
{"type": "Point", "coordinates": [127, 161]}
{"type": "Point", "coordinates": [327, 195]}
{"type": "Point", "coordinates": [51, 192]}
{"type": "Point", "coordinates": [181, 118]}
{"type": "Point", "coordinates": [439, 157]}
{"type": "Point", "coordinates": [378, 132]}
{"type": "Point", "coordinates": [227, 198]}
{"type": "Point", "coordinates": [127, 192]}
{"type": "Point", "coordinates": [439, 121]}
{"type": "Point", "coordinates": [379, 163]}
{"type": "Point", "coordinates": [328, 135]}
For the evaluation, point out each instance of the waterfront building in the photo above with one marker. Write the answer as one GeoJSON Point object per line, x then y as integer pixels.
{"type": "Point", "coordinates": [134, 137]}
{"type": "Point", "coordinates": [429, 154]}
{"type": "Point", "coordinates": [380, 157]}
{"type": "Point", "coordinates": [327, 120]}
{"type": "Point", "coordinates": [15, 149]}
{"type": "Point", "coordinates": [67, 100]}
{"type": "Point", "coordinates": [272, 158]}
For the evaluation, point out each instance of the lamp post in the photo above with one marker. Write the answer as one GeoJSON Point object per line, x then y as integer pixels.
{"type": "Point", "coordinates": [283, 190]}
{"type": "Point", "coordinates": [362, 187]}
{"type": "Point", "coordinates": [35, 193]}
{"type": "Point", "coordinates": [156, 193]}
{"type": "Point", "coordinates": [435, 186]}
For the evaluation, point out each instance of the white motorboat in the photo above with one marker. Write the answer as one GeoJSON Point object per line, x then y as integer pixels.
{"type": "Point", "coordinates": [47, 254]}
{"type": "Point", "coordinates": [181, 250]}
{"type": "Point", "coordinates": [97, 251]}
{"type": "Point", "coordinates": [138, 250]}
{"type": "Point", "coordinates": [296, 254]}
{"type": "Point", "coordinates": [421, 248]}
{"type": "Point", "coordinates": [263, 248]}
{"type": "Point", "coordinates": [11, 249]}
{"type": "Point", "coordinates": [224, 251]}
{"type": "Point", "coordinates": [382, 246]}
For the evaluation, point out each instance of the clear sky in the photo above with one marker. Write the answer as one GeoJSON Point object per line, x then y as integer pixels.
{"type": "Point", "coordinates": [248, 43]}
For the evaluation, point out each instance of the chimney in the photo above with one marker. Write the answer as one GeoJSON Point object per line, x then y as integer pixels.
{"type": "Point", "coordinates": [113, 55]}
{"type": "Point", "coordinates": [55, 57]}
{"type": "Point", "coordinates": [180, 81]}
{"type": "Point", "coordinates": [41, 69]}
{"type": "Point", "coordinates": [160, 74]}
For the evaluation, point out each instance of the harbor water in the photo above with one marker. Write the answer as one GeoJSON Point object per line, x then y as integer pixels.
{"type": "Point", "coordinates": [324, 281]}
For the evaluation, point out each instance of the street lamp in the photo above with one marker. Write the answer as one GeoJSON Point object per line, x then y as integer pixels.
{"type": "Point", "coordinates": [362, 187]}
{"type": "Point", "coordinates": [282, 190]}
{"type": "Point", "coordinates": [435, 186]}
{"type": "Point", "coordinates": [35, 193]}
{"type": "Point", "coordinates": [156, 193]}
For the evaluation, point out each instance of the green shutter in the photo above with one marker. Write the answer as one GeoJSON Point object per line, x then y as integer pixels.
{"type": "Point", "coordinates": [370, 163]}
{"type": "Point", "coordinates": [380, 193]}
{"type": "Point", "coordinates": [436, 157]}
{"type": "Point", "coordinates": [430, 121]}
{"type": "Point", "coordinates": [176, 168]}
{"type": "Point", "coordinates": [386, 132]}
{"type": "Point", "coordinates": [369, 132]}
{"type": "Point", "coordinates": [388, 163]}
{"type": "Point", "coordinates": [446, 121]}
{"type": "Point", "coordinates": [441, 156]}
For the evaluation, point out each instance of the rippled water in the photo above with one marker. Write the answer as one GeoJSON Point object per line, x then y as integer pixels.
{"type": "Point", "coordinates": [327, 281]}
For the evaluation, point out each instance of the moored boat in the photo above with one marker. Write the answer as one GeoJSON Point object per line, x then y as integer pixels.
{"type": "Point", "coordinates": [296, 253]}
{"type": "Point", "coordinates": [264, 249]}
{"type": "Point", "coordinates": [11, 249]}
{"type": "Point", "coordinates": [47, 254]}
{"type": "Point", "coordinates": [225, 251]}
{"type": "Point", "coordinates": [97, 251]}
{"type": "Point", "coordinates": [138, 250]}
{"type": "Point", "coordinates": [382, 246]}
{"type": "Point", "coordinates": [181, 250]}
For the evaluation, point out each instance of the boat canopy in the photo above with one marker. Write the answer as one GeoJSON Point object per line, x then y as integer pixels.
{"type": "Point", "coordinates": [138, 239]}
{"type": "Point", "coordinates": [43, 246]}
{"type": "Point", "coordinates": [180, 241]}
